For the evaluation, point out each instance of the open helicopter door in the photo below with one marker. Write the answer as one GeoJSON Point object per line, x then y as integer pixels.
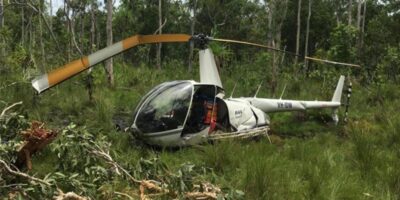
{"type": "Point", "coordinates": [202, 113]}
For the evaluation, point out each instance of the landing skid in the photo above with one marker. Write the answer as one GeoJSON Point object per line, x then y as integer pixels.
{"type": "Point", "coordinates": [262, 131]}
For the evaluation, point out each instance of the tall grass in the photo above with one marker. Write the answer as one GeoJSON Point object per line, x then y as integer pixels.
{"type": "Point", "coordinates": [313, 160]}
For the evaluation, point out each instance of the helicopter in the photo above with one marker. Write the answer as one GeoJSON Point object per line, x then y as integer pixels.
{"type": "Point", "coordinates": [188, 112]}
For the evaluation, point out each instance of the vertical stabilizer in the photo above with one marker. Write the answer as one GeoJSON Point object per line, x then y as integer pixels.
{"type": "Point", "coordinates": [339, 88]}
{"type": "Point", "coordinates": [208, 69]}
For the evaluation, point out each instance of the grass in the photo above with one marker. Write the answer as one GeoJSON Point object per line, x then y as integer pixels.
{"type": "Point", "coordinates": [311, 159]}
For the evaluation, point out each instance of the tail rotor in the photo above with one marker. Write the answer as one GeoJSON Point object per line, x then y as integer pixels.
{"type": "Point", "coordinates": [348, 96]}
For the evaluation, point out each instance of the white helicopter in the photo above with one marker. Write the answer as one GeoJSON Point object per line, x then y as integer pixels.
{"type": "Point", "coordinates": [183, 113]}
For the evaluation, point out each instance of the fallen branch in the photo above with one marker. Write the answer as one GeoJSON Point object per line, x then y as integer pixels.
{"type": "Point", "coordinates": [107, 157]}
{"type": "Point", "coordinates": [124, 194]}
{"type": "Point", "coordinates": [11, 84]}
{"type": "Point", "coordinates": [13, 185]}
{"type": "Point", "coordinates": [144, 184]}
{"type": "Point", "coordinates": [201, 195]}
{"type": "Point", "coordinates": [68, 196]}
{"type": "Point", "coordinates": [209, 190]}
{"type": "Point", "coordinates": [23, 175]}
{"type": "Point", "coordinates": [8, 108]}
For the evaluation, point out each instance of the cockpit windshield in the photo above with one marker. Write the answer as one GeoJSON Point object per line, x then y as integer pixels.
{"type": "Point", "coordinates": [165, 108]}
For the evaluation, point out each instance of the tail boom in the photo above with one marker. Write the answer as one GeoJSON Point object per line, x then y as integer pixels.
{"type": "Point", "coordinates": [283, 105]}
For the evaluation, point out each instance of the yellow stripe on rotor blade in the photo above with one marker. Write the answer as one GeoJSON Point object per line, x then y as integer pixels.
{"type": "Point", "coordinates": [148, 39]}
{"type": "Point", "coordinates": [58, 75]}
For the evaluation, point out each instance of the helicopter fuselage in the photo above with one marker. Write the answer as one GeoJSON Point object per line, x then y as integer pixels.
{"type": "Point", "coordinates": [182, 113]}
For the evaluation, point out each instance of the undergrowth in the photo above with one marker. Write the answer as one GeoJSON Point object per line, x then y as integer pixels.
{"type": "Point", "coordinates": [310, 158]}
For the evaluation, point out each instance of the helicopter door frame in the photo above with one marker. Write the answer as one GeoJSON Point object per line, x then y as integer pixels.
{"type": "Point", "coordinates": [196, 87]}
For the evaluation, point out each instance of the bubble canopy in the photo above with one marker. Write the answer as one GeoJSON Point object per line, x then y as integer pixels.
{"type": "Point", "coordinates": [165, 107]}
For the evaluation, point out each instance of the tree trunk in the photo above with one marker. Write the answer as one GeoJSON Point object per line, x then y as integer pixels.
{"type": "Point", "coordinates": [2, 41]}
{"type": "Point", "coordinates": [51, 14]}
{"type": "Point", "coordinates": [350, 11]}
{"type": "Point", "coordinates": [307, 33]}
{"type": "Point", "coordinates": [269, 33]}
{"type": "Point", "coordinates": [359, 5]}
{"type": "Point", "coordinates": [82, 29]}
{"type": "Point", "coordinates": [270, 40]}
{"type": "Point", "coordinates": [43, 55]}
{"type": "Point", "coordinates": [277, 10]}
{"type": "Point", "coordinates": [278, 39]}
{"type": "Point", "coordinates": [66, 11]}
{"type": "Point", "coordinates": [109, 62]}
{"type": "Point", "coordinates": [160, 32]}
{"type": "Point", "coordinates": [30, 34]}
{"type": "Point", "coordinates": [298, 30]}
{"type": "Point", "coordinates": [92, 48]}
{"type": "Point", "coordinates": [363, 23]}
{"type": "Point", "coordinates": [92, 29]}
{"type": "Point", "coordinates": [22, 26]}
{"type": "Point", "coordinates": [192, 26]}
{"type": "Point", "coordinates": [359, 9]}
{"type": "Point", "coordinates": [1, 14]}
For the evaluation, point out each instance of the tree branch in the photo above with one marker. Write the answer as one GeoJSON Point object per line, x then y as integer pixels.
{"type": "Point", "coordinates": [8, 108]}
{"type": "Point", "coordinates": [159, 28]}
{"type": "Point", "coordinates": [20, 174]}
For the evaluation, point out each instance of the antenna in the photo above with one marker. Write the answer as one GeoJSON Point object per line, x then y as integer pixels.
{"type": "Point", "coordinates": [258, 89]}
{"type": "Point", "coordinates": [283, 91]}
{"type": "Point", "coordinates": [234, 88]}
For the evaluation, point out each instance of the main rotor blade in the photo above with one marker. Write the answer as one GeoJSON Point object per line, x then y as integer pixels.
{"type": "Point", "coordinates": [283, 51]}
{"type": "Point", "coordinates": [73, 68]}
{"type": "Point", "coordinates": [254, 44]}
{"type": "Point", "coordinates": [332, 62]}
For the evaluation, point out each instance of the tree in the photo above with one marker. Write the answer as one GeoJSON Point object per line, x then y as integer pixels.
{"type": "Point", "coordinates": [359, 5]}
{"type": "Point", "coordinates": [298, 30]}
{"type": "Point", "coordinates": [159, 46]}
{"type": "Point", "coordinates": [363, 24]}
{"type": "Point", "coordinates": [2, 45]}
{"type": "Point", "coordinates": [89, 77]}
{"type": "Point", "coordinates": [277, 11]}
{"type": "Point", "coordinates": [1, 14]}
{"type": "Point", "coordinates": [43, 55]}
{"type": "Point", "coordinates": [193, 8]}
{"type": "Point", "coordinates": [350, 12]}
{"type": "Point", "coordinates": [109, 62]}
{"type": "Point", "coordinates": [307, 32]}
{"type": "Point", "coordinates": [51, 14]}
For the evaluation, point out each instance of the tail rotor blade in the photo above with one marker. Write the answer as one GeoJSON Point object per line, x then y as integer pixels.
{"type": "Point", "coordinates": [73, 68]}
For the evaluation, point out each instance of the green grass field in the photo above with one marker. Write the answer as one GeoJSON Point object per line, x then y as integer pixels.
{"type": "Point", "coordinates": [310, 158]}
